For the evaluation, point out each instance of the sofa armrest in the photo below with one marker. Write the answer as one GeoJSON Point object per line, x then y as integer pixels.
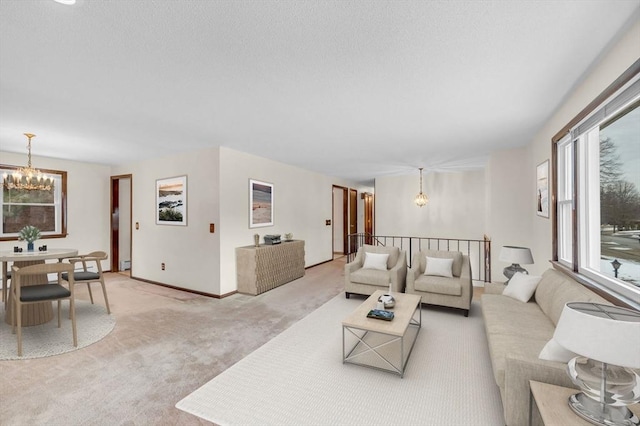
{"type": "Point", "coordinates": [467, 281]}
{"type": "Point", "coordinates": [516, 394]}
{"type": "Point", "coordinates": [412, 275]}
{"type": "Point", "coordinates": [355, 264]}
{"type": "Point", "coordinates": [398, 274]}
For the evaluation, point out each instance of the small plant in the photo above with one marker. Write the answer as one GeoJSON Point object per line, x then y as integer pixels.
{"type": "Point", "coordinates": [29, 234]}
{"type": "Point", "coordinates": [288, 236]}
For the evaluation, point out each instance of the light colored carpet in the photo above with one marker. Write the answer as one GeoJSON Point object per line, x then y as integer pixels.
{"type": "Point", "coordinates": [299, 378]}
{"type": "Point", "coordinates": [47, 339]}
{"type": "Point", "coordinates": [167, 343]}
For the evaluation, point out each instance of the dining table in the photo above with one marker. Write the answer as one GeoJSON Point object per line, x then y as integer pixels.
{"type": "Point", "coordinates": [35, 313]}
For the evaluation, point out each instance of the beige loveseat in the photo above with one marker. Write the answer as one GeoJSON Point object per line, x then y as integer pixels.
{"type": "Point", "coordinates": [454, 292]}
{"type": "Point", "coordinates": [517, 332]}
{"type": "Point", "coordinates": [359, 280]}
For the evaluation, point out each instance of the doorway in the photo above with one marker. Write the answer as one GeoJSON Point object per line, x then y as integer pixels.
{"type": "Point", "coordinates": [353, 219]}
{"type": "Point", "coordinates": [368, 217]}
{"type": "Point", "coordinates": [339, 220]}
{"type": "Point", "coordinates": [121, 207]}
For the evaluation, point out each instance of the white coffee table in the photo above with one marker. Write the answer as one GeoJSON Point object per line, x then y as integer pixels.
{"type": "Point", "coordinates": [379, 344]}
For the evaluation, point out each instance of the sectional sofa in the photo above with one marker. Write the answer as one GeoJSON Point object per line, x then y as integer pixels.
{"type": "Point", "coordinates": [518, 331]}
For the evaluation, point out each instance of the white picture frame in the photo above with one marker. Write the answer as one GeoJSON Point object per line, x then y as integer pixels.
{"type": "Point", "coordinates": [261, 204]}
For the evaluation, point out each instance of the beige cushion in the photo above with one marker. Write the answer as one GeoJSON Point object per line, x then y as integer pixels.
{"type": "Point", "coordinates": [439, 285]}
{"type": "Point", "coordinates": [507, 316]}
{"type": "Point", "coordinates": [556, 289]}
{"type": "Point", "coordinates": [439, 267]}
{"type": "Point", "coordinates": [456, 268]}
{"type": "Point", "coordinates": [393, 252]}
{"type": "Point", "coordinates": [370, 276]}
{"type": "Point", "coordinates": [375, 261]}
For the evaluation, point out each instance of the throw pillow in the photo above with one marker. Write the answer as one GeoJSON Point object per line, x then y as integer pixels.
{"type": "Point", "coordinates": [552, 351]}
{"type": "Point", "coordinates": [522, 286]}
{"type": "Point", "coordinates": [439, 267]}
{"type": "Point", "coordinates": [375, 261]}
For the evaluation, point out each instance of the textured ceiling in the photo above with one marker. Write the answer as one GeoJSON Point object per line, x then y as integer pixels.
{"type": "Point", "coordinates": [353, 89]}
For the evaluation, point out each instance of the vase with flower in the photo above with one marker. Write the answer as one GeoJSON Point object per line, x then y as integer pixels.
{"type": "Point", "coordinates": [29, 234]}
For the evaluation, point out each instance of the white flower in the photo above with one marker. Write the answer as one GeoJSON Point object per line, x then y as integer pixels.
{"type": "Point", "coordinates": [29, 234]}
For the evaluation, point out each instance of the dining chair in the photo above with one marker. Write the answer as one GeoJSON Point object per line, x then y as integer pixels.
{"type": "Point", "coordinates": [5, 288]}
{"type": "Point", "coordinates": [85, 275]}
{"type": "Point", "coordinates": [22, 294]}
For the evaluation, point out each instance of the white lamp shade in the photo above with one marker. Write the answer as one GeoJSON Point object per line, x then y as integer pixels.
{"type": "Point", "coordinates": [513, 254]}
{"type": "Point", "coordinates": [603, 333]}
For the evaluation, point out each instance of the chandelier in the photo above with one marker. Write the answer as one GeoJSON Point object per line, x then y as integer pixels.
{"type": "Point", "coordinates": [421, 199]}
{"type": "Point", "coordinates": [27, 178]}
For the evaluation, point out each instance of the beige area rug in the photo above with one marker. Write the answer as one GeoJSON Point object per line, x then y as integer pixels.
{"type": "Point", "coordinates": [39, 341]}
{"type": "Point", "coordinates": [298, 378]}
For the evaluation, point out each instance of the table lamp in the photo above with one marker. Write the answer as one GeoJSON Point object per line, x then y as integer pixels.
{"type": "Point", "coordinates": [607, 342]}
{"type": "Point", "coordinates": [515, 255]}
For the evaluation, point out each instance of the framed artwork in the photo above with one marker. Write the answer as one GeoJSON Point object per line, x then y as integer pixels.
{"type": "Point", "coordinates": [171, 201]}
{"type": "Point", "coordinates": [260, 204]}
{"type": "Point", "coordinates": [542, 189]}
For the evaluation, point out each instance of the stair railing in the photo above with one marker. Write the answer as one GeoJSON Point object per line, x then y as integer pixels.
{"type": "Point", "coordinates": [479, 251]}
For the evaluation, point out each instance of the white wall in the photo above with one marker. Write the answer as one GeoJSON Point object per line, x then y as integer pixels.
{"type": "Point", "coordinates": [88, 223]}
{"type": "Point", "coordinates": [511, 185]}
{"type": "Point", "coordinates": [190, 253]}
{"type": "Point", "coordinates": [302, 204]}
{"type": "Point", "coordinates": [456, 205]}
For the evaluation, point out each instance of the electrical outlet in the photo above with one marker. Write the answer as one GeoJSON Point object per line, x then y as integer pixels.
{"type": "Point", "coordinates": [162, 266]}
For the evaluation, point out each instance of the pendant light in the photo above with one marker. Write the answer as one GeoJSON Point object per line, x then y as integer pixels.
{"type": "Point", "coordinates": [421, 199]}
{"type": "Point", "coordinates": [28, 178]}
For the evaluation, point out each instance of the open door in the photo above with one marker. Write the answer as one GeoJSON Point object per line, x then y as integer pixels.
{"type": "Point", "coordinates": [368, 217]}
{"type": "Point", "coordinates": [339, 220]}
{"type": "Point", "coordinates": [353, 218]}
{"type": "Point", "coordinates": [121, 207]}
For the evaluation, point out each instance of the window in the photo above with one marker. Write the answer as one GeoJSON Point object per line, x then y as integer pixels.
{"type": "Point", "coordinates": [45, 210]}
{"type": "Point", "coordinates": [597, 184]}
{"type": "Point", "coordinates": [565, 201]}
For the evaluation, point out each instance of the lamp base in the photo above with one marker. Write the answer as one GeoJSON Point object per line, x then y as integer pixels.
{"type": "Point", "coordinates": [598, 414]}
{"type": "Point", "coordinates": [510, 271]}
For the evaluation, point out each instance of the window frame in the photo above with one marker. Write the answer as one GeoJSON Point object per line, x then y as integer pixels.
{"type": "Point", "coordinates": [62, 205]}
{"type": "Point", "coordinates": [610, 290]}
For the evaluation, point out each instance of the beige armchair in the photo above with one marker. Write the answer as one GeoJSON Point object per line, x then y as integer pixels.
{"type": "Point", "coordinates": [359, 280]}
{"type": "Point", "coordinates": [454, 292]}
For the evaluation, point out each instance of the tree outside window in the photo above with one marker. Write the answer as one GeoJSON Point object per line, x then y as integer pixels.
{"type": "Point", "coordinates": [619, 196]}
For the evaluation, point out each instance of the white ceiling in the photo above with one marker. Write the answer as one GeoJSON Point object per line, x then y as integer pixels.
{"type": "Point", "coordinates": [353, 89]}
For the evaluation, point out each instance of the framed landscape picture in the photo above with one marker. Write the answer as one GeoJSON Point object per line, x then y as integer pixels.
{"type": "Point", "coordinates": [260, 204]}
{"type": "Point", "coordinates": [542, 189]}
{"type": "Point", "coordinates": [171, 201]}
